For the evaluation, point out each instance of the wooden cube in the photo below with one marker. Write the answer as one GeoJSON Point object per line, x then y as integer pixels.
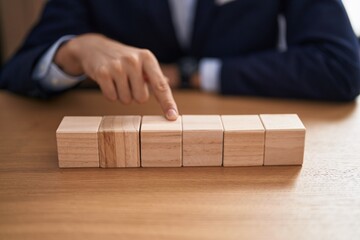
{"type": "Point", "coordinates": [77, 142]}
{"type": "Point", "coordinates": [202, 140]}
{"type": "Point", "coordinates": [244, 137]}
{"type": "Point", "coordinates": [284, 139]}
{"type": "Point", "coordinates": [160, 142]}
{"type": "Point", "coordinates": [119, 144]}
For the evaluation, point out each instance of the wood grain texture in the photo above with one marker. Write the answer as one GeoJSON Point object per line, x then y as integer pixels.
{"type": "Point", "coordinates": [40, 201]}
{"type": "Point", "coordinates": [284, 139]}
{"type": "Point", "coordinates": [119, 143]}
{"type": "Point", "coordinates": [202, 140]}
{"type": "Point", "coordinates": [244, 137]}
{"type": "Point", "coordinates": [161, 142]}
{"type": "Point", "coordinates": [77, 142]}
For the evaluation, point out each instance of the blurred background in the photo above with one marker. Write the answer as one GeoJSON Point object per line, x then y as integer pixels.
{"type": "Point", "coordinates": [17, 17]}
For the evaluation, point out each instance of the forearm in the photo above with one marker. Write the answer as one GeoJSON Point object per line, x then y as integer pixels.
{"type": "Point", "coordinates": [49, 75]}
{"type": "Point", "coordinates": [16, 75]}
{"type": "Point", "coordinates": [313, 72]}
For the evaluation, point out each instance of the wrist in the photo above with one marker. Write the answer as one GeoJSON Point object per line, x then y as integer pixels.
{"type": "Point", "coordinates": [188, 68]}
{"type": "Point", "coordinates": [66, 58]}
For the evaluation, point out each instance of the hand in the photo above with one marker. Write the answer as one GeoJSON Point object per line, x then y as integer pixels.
{"type": "Point", "coordinates": [122, 72]}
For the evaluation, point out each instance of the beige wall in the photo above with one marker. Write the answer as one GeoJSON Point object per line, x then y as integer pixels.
{"type": "Point", "coordinates": [16, 19]}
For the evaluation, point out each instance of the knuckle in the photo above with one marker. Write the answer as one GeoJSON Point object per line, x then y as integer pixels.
{"type": "Point", "coordinates": [146, 54]}
{"type": "Point", "coordinates": [116, 65]}
{"type": "Point", "coordinates": [131, 60]}
{"type": "Point", "coordinates": [162, 87]}
{"type": "Point", "coordinates": [102, 73]}
{"type": "Point", "coordinates": [168, 104]}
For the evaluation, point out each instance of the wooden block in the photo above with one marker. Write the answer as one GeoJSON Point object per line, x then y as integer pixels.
{"type": "Point", "coordinates": [284, 139]}
{"type": "Point", "coordinates": [119, 144]}
{"type": "Point", "coordinates": [77, 142]}
{"type": "Point", "coordinates": [202, 140]}
{"type": "Point", "coordinates": [244, 137]}
{"type": "Point", "coordinates": [160, 142]}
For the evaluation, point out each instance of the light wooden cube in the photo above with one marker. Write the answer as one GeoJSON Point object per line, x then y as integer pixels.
{"type": "Point", "coordinates": [244, 137]}
{"type": "Point", "coordinates": [77, 142]}
{"type": "Point", "coordinates": [160, 142]}
{"type": "Point", "coordinates": [284, 139]}
{"type": "Point", "coordinates": [202, 140]}
{"type": "Point", "coordinates": [119, 144]}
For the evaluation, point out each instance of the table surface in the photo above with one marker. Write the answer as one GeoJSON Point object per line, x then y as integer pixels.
{"type": "Point", "coordinates": [320, 200]}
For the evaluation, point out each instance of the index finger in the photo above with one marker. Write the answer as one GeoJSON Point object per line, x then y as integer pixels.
{"type": "Point", "coordinates": [160, 87]}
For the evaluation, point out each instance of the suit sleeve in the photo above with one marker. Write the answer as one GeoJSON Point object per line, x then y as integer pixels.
{"type": "Point", "coordinates": [59, 18]}
{"type": "Point", "coordinates": [321, 61]}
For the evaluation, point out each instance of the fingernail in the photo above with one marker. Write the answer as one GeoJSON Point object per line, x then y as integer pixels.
{"type": "Point", "coordinates": [171, 114]}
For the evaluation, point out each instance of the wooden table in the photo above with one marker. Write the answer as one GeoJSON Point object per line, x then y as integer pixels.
{"type": "Point", "coordinates": [320, 200]}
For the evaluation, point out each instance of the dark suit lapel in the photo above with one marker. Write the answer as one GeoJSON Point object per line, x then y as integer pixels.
{"type": "Point", "coordinates": [205, 14]}
{"type": "Point", "coordinates": [160, 13]}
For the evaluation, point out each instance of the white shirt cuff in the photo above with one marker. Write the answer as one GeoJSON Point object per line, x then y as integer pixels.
{"type": "Point", "coordinates": [209, 69]}
{"type": "Point", "coordinates": [49, 75]}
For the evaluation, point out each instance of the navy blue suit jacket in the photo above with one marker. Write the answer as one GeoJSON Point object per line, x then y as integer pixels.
{"type": "Point", "coordinates": [322, 60]}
